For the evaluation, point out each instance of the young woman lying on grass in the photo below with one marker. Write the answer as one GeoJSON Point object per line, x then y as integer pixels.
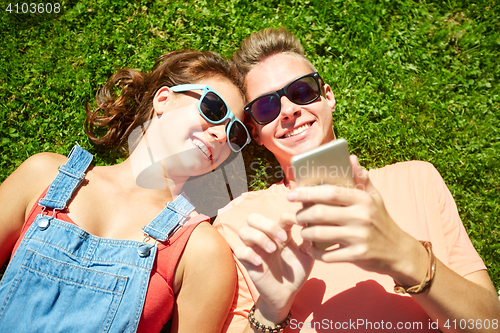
{"type": "Point", "coordinates": [112, 248]}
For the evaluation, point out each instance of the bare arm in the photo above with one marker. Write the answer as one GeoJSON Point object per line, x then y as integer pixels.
{"type": "Point", "coordinates": [369, 238]}
{"type": "Point", "coordinates": [208, 275]}
{"type": "Point", "coordinates": [461, 302]}
{"type": "Point", "coordinates": [19, 192]}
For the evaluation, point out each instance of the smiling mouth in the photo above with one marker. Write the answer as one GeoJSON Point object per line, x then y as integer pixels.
{"type": "Point", "coordinates": [296, 131]}
{"type": "Point", "coordinates": [204, 149]}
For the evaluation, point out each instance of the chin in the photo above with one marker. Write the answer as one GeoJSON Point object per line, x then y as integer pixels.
{"type": "Point", "coordinates": [186, 170]}
{"type": "Point", "coordinates": [305, 147]}
{"type": "Point", "coordinates": [198, 170]}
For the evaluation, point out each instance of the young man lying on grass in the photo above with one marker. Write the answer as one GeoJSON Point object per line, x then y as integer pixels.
{"type": "Point", "coordinates": [403, 259]}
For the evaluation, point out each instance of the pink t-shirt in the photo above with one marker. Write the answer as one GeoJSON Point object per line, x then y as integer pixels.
{"type": "Point", "coordinates": [341, 296]}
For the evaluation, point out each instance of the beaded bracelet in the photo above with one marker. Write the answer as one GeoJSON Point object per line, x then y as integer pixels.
{"type": "Point", "coordinates": [276, 329]}
{"type": "Point", "coordinates": [429, 276]}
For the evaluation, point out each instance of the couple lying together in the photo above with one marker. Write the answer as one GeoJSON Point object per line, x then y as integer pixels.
{"type": "Point", "coordinates": [121, 248]}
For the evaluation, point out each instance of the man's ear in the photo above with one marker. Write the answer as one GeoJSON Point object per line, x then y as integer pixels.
{"type": "Point", "coordinates": [254, 131]}
{"type": "Point", "coordinates": [330, 97]}
{"type": "Point", "coordinates": [162, 96]}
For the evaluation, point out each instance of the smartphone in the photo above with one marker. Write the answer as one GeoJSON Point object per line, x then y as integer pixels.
{"type": "Point", "coordinates": [326, 164]}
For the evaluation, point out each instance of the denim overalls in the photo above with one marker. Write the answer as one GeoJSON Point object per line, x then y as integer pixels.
{"type": "Point", "coordinates": [63, 279]}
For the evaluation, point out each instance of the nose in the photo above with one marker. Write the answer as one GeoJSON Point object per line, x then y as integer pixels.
{"type": "Point", "coordinates": [289, 110]}
{"type": "Point", "coordinates": [217, 133]}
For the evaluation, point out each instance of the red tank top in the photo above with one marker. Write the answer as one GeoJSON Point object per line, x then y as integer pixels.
{"type": "Point", "coordinates": [160, 298]}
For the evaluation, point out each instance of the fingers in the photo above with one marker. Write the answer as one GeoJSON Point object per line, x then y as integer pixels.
{"type": "Point", "coordinates": [343, 235]}
{"type": "Point", "coordinates": [248, 256]}
{"type": "Point", "coordinates": [335, 215]}
{"type": "Point", "coordinates": [351, 243]}
{"type": "Point", "coordinates": [264, 233]}
{"type": "Point", "coordinates": [276, 231]}
{"type": "Point", "coordinates": [262, 236]}
{"type": "Point", "coordinates": [360, 174]}
{"type": "Point", "coordinates": [256, 242]}
{"type": "Point", "coordinates": [362, 177]}
{"type": "Point", "coordinates": [254, 237]}
{"type": "Point", "coordinates": [327, 194]}
{"type": "Point", "coordinates": [341, 254]}
{"type": "Point", "coordinates": [286, 221]}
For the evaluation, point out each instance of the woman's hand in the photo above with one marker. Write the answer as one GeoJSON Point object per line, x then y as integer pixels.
{"type": "Point", "coordinates": [276, 264]}
{"type": "Point", "coordinates": [356, 219]}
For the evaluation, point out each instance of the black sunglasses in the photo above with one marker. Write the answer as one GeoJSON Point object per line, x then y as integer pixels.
{"type": "Point", "coordinates": [303, 90]}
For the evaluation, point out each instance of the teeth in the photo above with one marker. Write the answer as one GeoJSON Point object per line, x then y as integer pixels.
{"type": "Point", "coordinates": [297, 131]}
{"type": "Point", "coordinates": [202, 147]}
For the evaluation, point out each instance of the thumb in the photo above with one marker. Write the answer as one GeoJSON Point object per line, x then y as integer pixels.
{"type": "Point", "coordinates": [286, 222]}
{"type": "Point", "coordinates": [361, 176]}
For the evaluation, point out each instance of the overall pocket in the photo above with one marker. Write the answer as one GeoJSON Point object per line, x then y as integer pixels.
{"type": "Point", "coordinates": [62, 297]}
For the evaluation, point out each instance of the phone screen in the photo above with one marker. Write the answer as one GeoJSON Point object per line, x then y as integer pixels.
{"type": "Point", "coordinates": [326, 164]}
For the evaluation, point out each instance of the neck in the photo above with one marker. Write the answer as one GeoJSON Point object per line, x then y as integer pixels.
{"type": "Point", "coordinates": [289, 180]}
{"type": "Point", "coordinates": [124, 175]}
{"type": "Point", "coordinates": [147, 166]}
{"type": "Point", "coordinates": [153, 176]}
{"type": "Point", "coordinates": [148, 173]}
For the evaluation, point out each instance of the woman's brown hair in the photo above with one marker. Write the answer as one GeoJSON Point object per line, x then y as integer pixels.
{"type": "Point", "coordinates": [126, 100]}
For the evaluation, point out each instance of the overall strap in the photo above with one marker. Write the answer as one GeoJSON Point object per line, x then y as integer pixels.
{"type": "Point", "coordinates": [170, 219]}
{"type": "Point", "coordinates": [166, 223]}
{"type": "Point", "coordinates": [68, 179]}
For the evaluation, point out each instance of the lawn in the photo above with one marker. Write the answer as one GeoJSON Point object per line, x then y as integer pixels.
{"type": "Point", "coordinates": [414, 80]}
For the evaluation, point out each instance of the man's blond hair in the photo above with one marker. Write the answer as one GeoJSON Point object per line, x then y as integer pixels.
{"type": "Point", "coordinates": [265, 43]}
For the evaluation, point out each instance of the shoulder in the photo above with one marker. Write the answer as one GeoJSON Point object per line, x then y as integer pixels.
{"type": "Point", "coordinates": [44, 162]}
{"type": "Point", "coordinates": [205, 243]}
{"type": "Point", "coordinates": [407, 170]}
{"type": "Point", "coordinates": [207, 250]}
{"type": "Point", "coordinates": [207, 256]}
{"type": "Point", "coordinates": [206, 276]}
{"type": "Point", "coordinates": [407, 179]}
{"type": "Point", "coordinates": [42, 168]}
{"type": "Point", "coordinates": [20, 191]}
{"type": "Point", "coordinates": [407, 165]}
{"type": "Point", "coordinates": [35, 174]}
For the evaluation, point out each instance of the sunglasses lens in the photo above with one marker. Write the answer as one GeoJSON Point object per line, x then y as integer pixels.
{"type": "Point", "coordinates": [266, 109]}
{"type": "Point", "coordinates": [303, 91]}
{"type": "Point", "coordinates": [237, 136]}
{"type": "Point", "coordinates": [213, 107]}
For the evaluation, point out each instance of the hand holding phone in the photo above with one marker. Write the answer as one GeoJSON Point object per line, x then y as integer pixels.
{"type": "Point", "coordinates": [326, 164]}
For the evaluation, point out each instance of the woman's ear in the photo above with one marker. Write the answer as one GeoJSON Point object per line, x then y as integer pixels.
{"type": "Point", "coordinates": [160, 100]}
{"type": "Point", "coordinates": [254, 131]}
{"type": "Point", "coordinates": [329, 96]}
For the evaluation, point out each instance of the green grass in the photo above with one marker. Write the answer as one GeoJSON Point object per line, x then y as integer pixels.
{"type": "Point", "coordinates": [413, 80]}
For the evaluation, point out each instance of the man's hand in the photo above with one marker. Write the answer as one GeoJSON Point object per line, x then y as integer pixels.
{"type": "Point", "coordinates": [276, 264]}
{"type": "Point", "coordinates": [356, 219]}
